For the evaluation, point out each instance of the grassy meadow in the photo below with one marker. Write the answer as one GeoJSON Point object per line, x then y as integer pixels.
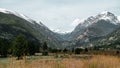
{"type": "Point", "coordinates": [62, 61]}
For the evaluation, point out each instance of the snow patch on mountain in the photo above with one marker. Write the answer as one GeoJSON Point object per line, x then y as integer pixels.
{"type": "Point", "coordinates": [77, 21]}
{"type": "Point", "coordinates": [40, 23]}
{"type": "Point", "coordinates": [118, 18]}
{"type": "Point", "coordinates": [16, 14]}
{"type": "Point", "coordinates": [26, 18]}
{"type": "Point", "coordinates": [105, 15]}
{"type": "Point", "coordinates": [111, 17]}
{"type": "Point", "coordinates": [104, 12]}
{"type": "Point", "coordinates": [5, 11]}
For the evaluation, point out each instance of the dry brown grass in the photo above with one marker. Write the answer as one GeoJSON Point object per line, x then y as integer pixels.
{"type": "Point", "coordinates": [98, 61]}
{"type": "Point", "coordinates": [102, 62]}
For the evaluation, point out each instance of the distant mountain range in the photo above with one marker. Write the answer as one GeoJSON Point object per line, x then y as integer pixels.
{"type": "Point", "coordinates": [93, 28]}
{"type": "Point", "coordinates": [86, 34]}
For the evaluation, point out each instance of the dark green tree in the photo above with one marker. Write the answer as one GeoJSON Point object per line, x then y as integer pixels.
{"type": "Point", "coordinates": [32, 48]}
{"type": "Point", "coordinates": [65, 50]}
{"type": "Point", "coordinates": [45, 49]}
{"type": "Point", "coordinates": [54, 50]}
{"type": "Point", "coordinates": [78, 50]}
{"type": "Point", "coordinates": [4, 47]}
{"type": "Point", "coordinates": [72, 49]}
{"type": "Point", "coordinates": [86, 49]}
{"type": "Point", "coordinates": [20, 46]}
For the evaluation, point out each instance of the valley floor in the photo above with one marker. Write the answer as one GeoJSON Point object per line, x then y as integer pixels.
{"type": "Point", "coordinates": [62, 61]}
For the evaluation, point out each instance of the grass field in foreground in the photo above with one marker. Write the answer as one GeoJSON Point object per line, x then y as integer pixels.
{"type": "Point", "coordinates": [76, 61]}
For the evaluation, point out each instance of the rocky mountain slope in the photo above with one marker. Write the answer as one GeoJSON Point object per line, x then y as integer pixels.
{"type": "Point", "coordinates": [93, 28]}
{"type": "Point", "coordinates": [13, 23]}
{"type": "Point", "coordinates": [110, 42]}
{"type": "Point", "coordinates": [88, 33]}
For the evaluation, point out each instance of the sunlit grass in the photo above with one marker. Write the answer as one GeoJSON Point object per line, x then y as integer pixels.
{"type": "Point", "coordinates": [98, 61]}
{"type": "Point", "coordinates": [102, 62]}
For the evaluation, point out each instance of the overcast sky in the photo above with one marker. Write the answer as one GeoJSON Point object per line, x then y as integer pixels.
{"type": "Point", "coordinates": [60, 14]}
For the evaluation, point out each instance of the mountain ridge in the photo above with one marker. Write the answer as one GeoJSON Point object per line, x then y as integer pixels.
{"type": "Point", "coordinates": [88, 30]}
{"type": "Point", "coordinates": [37, 30]}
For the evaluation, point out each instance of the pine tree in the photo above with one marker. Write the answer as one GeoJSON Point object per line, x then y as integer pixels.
{"type": "Point", "coordinates": [4, 47]}
{"type": "Point", "coordinates": [20, 46]}
{"type": "Point", "coordinates": [65, 50]}
{"type": "Point", "coordinates": [45, 49]}
{"type": "Point", "coordinates": [78, 50]}
{"type": "Point", "coordinates": [32, 48]}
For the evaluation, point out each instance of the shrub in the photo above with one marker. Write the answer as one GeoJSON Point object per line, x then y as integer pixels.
{"type": "Point", "coordinates": [78, 50]}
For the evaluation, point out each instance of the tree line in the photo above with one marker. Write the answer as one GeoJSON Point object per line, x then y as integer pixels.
{"type": "Point", "coordinates": [20, 46]}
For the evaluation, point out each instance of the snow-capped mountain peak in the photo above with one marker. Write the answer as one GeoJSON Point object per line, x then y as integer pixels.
{"type": "Point", "coordinates": [118, 18]}
{"type": "Point", "coordinates": [16, 14]}
{"type": "Point", "coordinates": [105, 12]}
{"type": "Point", "coordinates": [5, 11]}
{"type": "Point", "coordinates": [105, 15]}
{"type": "Point", "coordinates": [108, 16]}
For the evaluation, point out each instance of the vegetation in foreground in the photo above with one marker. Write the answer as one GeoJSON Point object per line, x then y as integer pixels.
{"type": "Point", "coordinates": [23, 50]}
{"type": "Point", "coordinates": [74, 61]}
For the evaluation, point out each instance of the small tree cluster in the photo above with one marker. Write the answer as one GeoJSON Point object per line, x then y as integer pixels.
{"type": "Point", "coordinates": [65, 50]}
{"type": "Point", "coordinates": [45, 49]}
{"type": "Point", "coordinates": [18, 47]}
{"type": "Point", "coordinates": [21, 47]}
{"type": "Point", "coordinates": [78, 50]}
{"type": "Point", "coordinates": [4, 47]}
